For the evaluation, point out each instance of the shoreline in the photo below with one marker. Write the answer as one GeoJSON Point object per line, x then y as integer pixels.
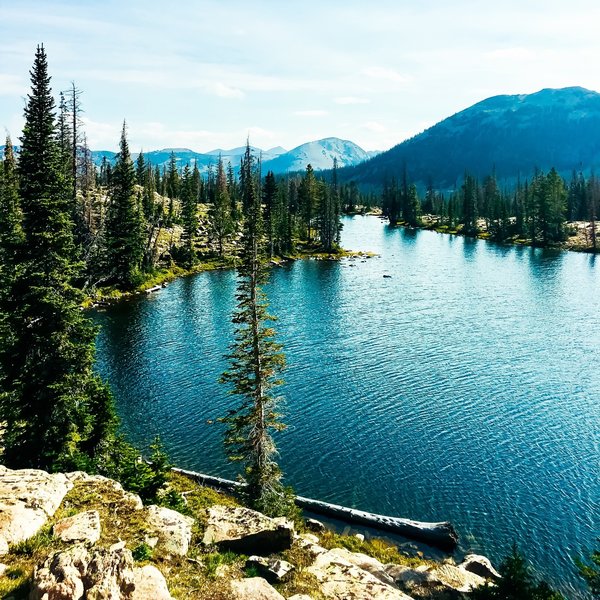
{"type": "Point", "coordinates": [514, 241]}
{"type": "Point", "coordinates": [105, 297]}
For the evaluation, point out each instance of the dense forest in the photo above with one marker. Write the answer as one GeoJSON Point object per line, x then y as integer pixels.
{"type": "Point", "coordinates": [541, 212]}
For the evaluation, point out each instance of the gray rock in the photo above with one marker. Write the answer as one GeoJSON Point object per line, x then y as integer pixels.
{"type": "Point", "coordinates": [173, 529]}
{"type": "Point", "coordinates": [274, 570]}
{"type": "Point", "coordinates": [149, 584]}
{"type": "Point", "coordinates": [28, 497]}
{"type": "Point", "coordinates": [76, 573]}
{"type": "Point", "coordinates": [314, 525]}
{"type": "Point", "coordinates": [340, 579]}
{"type": "Point", "coordinates": [61, 576]}
{"type": "Point", "coordinates": [253, 588]}
{"type": "Point", "coordinates": [246, 531]}
{"type": "Point", "coordinates": [426, 579]}
{"type": "Point", "coordinates": [82, 527]}
{"type": "Point", "coordinates": [480, 565]}
{"type": "Point", "coordinates": [109, 575]}
{"type": "Point", "coordinates": [299, 597]}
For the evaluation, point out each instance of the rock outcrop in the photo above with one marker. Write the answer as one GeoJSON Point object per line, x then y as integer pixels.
{"type": "Point", "coordinates": [173, 529]}
{"type": "Point", "coordinates": [480, 565]}
{"type": "Point", "coordinates": [253, 588]}
{"type": "Point", "coordinates": [246, 531]}
{"type": "Point", "coordinates": [82, 527]}
{"type": "Point", "coordinates": [90, 554]}
{"type": "Point", "coordinates": [27, 499]}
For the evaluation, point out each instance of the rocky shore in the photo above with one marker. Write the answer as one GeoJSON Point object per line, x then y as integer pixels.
{"type": "Point", "coordinates": [70, 536]}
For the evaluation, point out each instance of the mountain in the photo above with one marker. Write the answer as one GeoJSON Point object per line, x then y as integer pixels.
{"type": "Point", "coordinates": [513, 135]}
{"type": "Point", "coordinates": [235, 154]}
{"type": "Point", "coordinates": [319, 154]}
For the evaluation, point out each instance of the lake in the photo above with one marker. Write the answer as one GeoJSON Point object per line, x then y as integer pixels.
{"type": "Point", "coordinates": [464, 387]}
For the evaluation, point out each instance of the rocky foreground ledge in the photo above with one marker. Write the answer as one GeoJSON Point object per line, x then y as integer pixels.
{"type": "Point", "coordinates": [73, 536]}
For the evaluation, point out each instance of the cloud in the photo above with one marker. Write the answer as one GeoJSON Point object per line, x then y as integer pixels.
{"type": "Point", "coordinates": [224, 91]}
{"type": "Point", "coordinates": [351, 100]}
{"type": "Point", "coordinates": [385, 73]}
{"type": "Point", "coordinates": [374, 126]}
{"type": "Point", "coordinates": [12, 85]}
{"type": "Point", "coordinates": [311, 113]}
{"type": "Point", "coordinates": [517, 53]}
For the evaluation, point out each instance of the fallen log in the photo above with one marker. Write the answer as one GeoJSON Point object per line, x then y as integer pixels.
{"type": "Point", "coordinates": [442, 534]}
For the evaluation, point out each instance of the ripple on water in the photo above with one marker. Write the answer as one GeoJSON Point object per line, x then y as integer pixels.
{"type": "Point", "coordinates": [464, 387]}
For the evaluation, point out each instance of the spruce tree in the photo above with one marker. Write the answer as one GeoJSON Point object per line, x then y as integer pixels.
{"type": "Point", "coordinates": [189, 216]}
{"type": "Point", "coordinates": [256, 362]}
{"type": "Point", "coordinates": [124, 222]}
{"type": "Point", "coordinates": [307, 200]}
{"type": "Point", "coordinates": [221, 220]}
{"type": "Point", "coordinates": [56, 411]}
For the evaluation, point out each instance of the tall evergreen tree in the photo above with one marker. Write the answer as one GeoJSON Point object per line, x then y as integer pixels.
{"type": "Point", "coordinates": [220, 213]}
{"type": "Point", "coordinates": [307, 201]}
{"type": "Point", "coordinates": [55, 409]}
{"type": "Point", "coordinates": [256, 361]}
{"type": "Point", "coordinates": [124, 222]}
{"type": "Point", "coordinates": [189, 216]}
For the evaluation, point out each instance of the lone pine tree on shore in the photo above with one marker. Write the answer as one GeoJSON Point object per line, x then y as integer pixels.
{"type": "Point", "coordinates": [55, 410]}
{"type": "Point", "coordinates": [256, 362]}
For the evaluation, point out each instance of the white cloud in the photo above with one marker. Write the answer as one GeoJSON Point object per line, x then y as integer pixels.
{"type": "Point", "coordinates": [311, 113]}
{"type": "Point", "coordinates": [385, 73]}
{"type": "Point", "coordinates": [351, 100]}
{"type": "Point", "coordinates": [512, 54]}
{"type": "Point", "coordinates": [374, 126]}
{"type": "Point", "coordinates": [224, 91]}
{"type": "Point", "coordinates": [12, 85]}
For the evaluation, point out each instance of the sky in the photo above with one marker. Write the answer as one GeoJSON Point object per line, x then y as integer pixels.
{"type": "Point", "coordinates": [209, 74]}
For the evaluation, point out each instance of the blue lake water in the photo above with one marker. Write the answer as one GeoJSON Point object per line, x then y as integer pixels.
{"type": "Point", "coordinates": [465, 387]}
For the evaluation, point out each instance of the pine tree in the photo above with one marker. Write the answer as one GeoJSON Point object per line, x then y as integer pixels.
{"type": "Point", "coordinates": [269, 192]}
{"type": "Point", "coordinates": [124, 222]}
{"type": "Point", "coordinates": [11, 217]}
{"type": "Point", "coordinates": [256, 361]}
{"type": "Point", "coordinates": [307, 201]}
{"type": "Point", "coordinates": [189, 216]}
{"type": "Point", "coordinates": [220, 213]}
{"type": "Point", "coordinates": [56, 411]}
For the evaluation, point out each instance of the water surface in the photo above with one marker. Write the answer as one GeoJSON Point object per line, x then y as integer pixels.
{"type": "Point", "coordinates": [465, 386]}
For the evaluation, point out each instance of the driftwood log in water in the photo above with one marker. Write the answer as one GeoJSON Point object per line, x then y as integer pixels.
{"type": "Point", "coordinates": [441, 535]}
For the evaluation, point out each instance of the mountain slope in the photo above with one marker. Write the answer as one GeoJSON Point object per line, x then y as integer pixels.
{"type": "Point", "coordinates": [319, 154]}
{"type": "Point", "coordinates": [512, 134]}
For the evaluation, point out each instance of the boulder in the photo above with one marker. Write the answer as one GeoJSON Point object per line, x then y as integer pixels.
{"type": "Point", "coordinates": [173, 529]}
{"type": "Point", "coordinates": [109, 575]}
{"type": "Point", "coordinates": [457, 579]}
{"type": "Point", "coordinates": [299, 597]}
{"type": "Point", "coordinates": [426, 579]}
{"type": "Point", "coordinates": [314, 525]}
{"type": "Point", "coordinates": [61, 575]}
{"type": "Point", "coordinates": [341, 579]}
{"type": "Point", "coordinates": [28, 497]}
{"type": "Point", "coordinates": [82, 527]}
{"type": "Point", "coordinates": [480, 565]}
{"type": "Point", "coordinates": [149, 583]}
{"type": "Point", "coordinates": [273, 570]}
{"type": "Point", "coordinates": [75, 574]}
{"type": "Point", "coordinates": [253, 588]}
{"type": "Point", "coordinates": [246, 531]}
{"type": "Point", "coordinates": [366, 563]}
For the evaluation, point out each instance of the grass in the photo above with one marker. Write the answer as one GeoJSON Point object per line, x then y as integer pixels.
{"type": "Point", "coordinates": [377, 548]}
